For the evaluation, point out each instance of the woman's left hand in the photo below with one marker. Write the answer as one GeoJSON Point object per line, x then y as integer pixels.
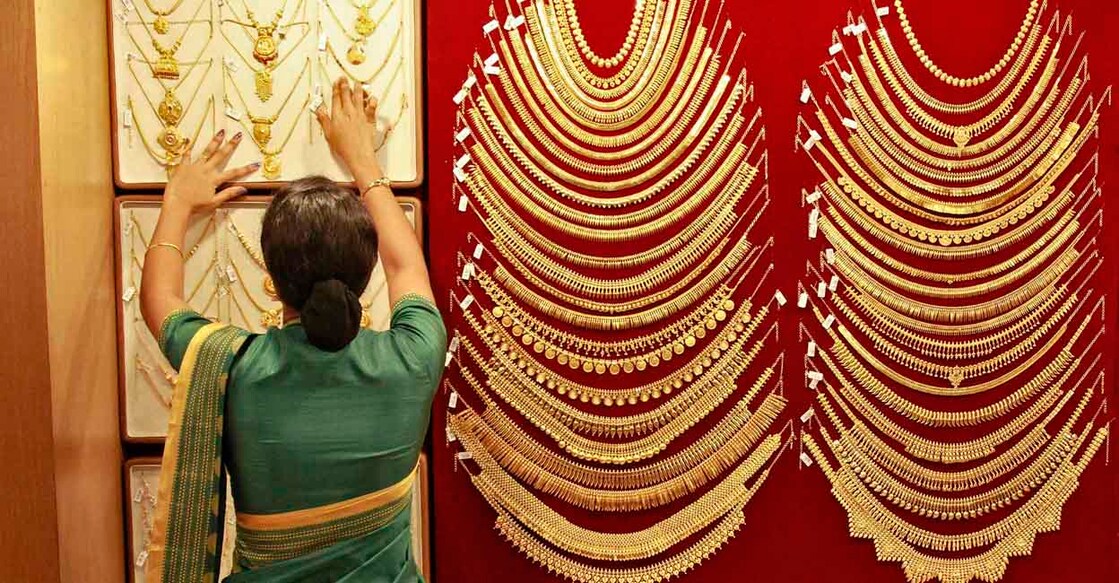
{"type": "Point", "coordinates": [193, 185]}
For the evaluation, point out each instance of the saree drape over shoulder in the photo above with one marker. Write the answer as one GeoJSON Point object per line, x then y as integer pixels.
{"type": "Point", "coordinates": [321, 449]}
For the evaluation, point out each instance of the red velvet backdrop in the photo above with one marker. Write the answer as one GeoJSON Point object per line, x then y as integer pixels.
{"type": "Point", "coordinates": [795, 530]}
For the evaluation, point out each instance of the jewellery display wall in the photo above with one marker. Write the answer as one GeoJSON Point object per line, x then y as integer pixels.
{"type": "Point", "coordinates": [956, 335]}
{"type": "Point", "coordinates": [142, 481]}
{"type": "Point", "coordinates": [225, 280]}
{"type": "Point", "coordinates": [616, 389]}
{"type": "Point", "coordinates": [183, 69]}
{"type": "Point", "coordinates": [795, 529]}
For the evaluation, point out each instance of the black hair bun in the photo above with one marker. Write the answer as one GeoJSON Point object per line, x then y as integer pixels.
{"type": "Point", "coordinates": [331, 315]}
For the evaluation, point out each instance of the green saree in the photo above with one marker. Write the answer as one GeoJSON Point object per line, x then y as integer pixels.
{"type": "Point", "coordinates": [320, 449]}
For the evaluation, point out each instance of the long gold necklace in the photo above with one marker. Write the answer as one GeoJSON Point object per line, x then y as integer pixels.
{"type": "Point", "coordinates": [260, 127]}
{"type": "Point", "coordinates": [266, 48]}
{"type": "Point", "coordinates": [567, 9]}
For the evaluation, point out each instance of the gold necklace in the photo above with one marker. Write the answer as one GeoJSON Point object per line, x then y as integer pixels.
{"type": "Point", "coordinates": [378, 70]}
{"type": "Point", "coordinates": [266, 49]}
{"type": "Point", "coordinates": [170, 113]}
{"type": "Point", "coordinates": [479, 435]}
{"type": "Point", "coordinates": [985, 77]}
{"type": "Point", "coordinates": [364, 26]}
{"type": "Point", "coordinates": [260, 127]}
{"type": "Point", "coordinates": [890, 63]}
{"type": "Point", "coordinates": [567, 9]}
{"type": "Point", "coordinates": [166, 65]}
{"type": "Point", "coordinates": [161, 25]}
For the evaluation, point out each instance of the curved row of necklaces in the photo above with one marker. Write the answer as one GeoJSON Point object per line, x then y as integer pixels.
{"type": "Point", "coordinates": [958, 370]}
{"type": "Point", "coordinates": [612, 289]}
{"type": "Point", "coordinates": [271, 43]}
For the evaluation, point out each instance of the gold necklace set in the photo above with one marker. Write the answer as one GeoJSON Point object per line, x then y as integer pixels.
{"type": "Point", "coordinates": [959, 390]}
{"type": "Point", "coordinates": [260, 126]}
{"type": "Point", "coordinates": [611, 302]}
{"type": "Point", "coordinates": [267, 39]}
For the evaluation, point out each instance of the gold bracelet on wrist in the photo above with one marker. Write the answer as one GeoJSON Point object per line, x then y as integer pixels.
{"type": "Point", "coordinates": [177, 249]}
{"type": "Point", "coordinates": [383, 181]}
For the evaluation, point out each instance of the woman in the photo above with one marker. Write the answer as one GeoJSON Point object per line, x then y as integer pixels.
{"type": "Point", "coordinates": [320, 422]}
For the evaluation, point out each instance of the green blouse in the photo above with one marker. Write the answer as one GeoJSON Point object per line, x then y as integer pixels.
{"type": "Point", "coordinates": [306, 428]}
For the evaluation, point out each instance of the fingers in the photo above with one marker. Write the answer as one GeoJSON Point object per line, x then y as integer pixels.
{"type": "Point", "coordinates": [371, 109]}
{"type": "Point", "coordinates": [359, 98]}
{"type": "Point", "coordinates": [235, 174]}
{"type": "Point", "coordinates": [229, 194]}
{"type": "Point", "coordinates": [184, 156]}
{"type": "Point", "coordinates": [322, 116]}
{"type": "Point", "coordinates": [213, 146]}
{"type": "Point", "coordinates": [336, 97]}
{"type": "Point", "coordinates": [221, 157]}
{"type": "Point", "coordinates": [347, 95]}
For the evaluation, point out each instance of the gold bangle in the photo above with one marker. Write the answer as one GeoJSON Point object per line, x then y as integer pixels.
{"type": "Point", "coordinates": [382, 181]}
{"type": "Point", "coordinates": [177, 249]}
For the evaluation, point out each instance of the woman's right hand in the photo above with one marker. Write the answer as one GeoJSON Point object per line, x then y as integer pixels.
{"type": "Point", "coordinates": [351, 127]}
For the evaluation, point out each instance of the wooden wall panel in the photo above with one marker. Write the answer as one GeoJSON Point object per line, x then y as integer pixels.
{"type": "Point", "coordinates": [77, 197]}
{"type": "Point", "coordinates": [28, 543]}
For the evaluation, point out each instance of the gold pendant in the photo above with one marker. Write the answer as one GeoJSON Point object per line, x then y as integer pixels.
{"type": "Point", "coordinates": [271, 318]}
{"type": "Point", "coordinates": [366, 320]}
{"type": "Point", "coordinates": [956, 376]}
{"type": "Point", "coordinates": [161, 24]}
{"type": "Point", "coordinates": [356, 55]}
{"type": "Point", "coordinates": [262, 131]}
{"type": "Point", "coordinates": [171, 140]}
{"type": "Point", "coordinates": [365, 24]}
{"type": "Point", "coordinates": [265, 49]}
{"type": "Point", "coordinates": [962, 136]}
{"type": "Point", "coordinates": [166, 67]}
{"type": "Point", "coordinates": [170, 110]}
{"type": "Point", "coordinates": [270, 288]}
{"type": "Point", "coordinates": [271, 168]}
{"type": "Point", "coordinates": [264, 84]}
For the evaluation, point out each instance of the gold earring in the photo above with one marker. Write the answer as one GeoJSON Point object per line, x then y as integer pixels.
{"type": "Point", "coordinates": [270, 288]}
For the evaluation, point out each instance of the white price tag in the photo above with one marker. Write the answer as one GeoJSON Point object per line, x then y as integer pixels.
{"type": "Point", "coordinates": [467, 271]}
{"type": "Point", "coordinates": [806, 459]}
{"type": "Point", "coordinates": [471, 81]}
{"type": "Point", "coordinates": [448, 359]}
{"type": "Point", "coordinates": [805, 94]}
{"type": "Point", "coordinates": [128, 121]}
{"type": "Point", "coordinates": [883, 11]}
{"type": "Point", "coordinates": [453, 346]}
{"type": "Point", "coordinates": [478, 250]}
{"type": "Point", "coordinates": [461, 177]}
{"type": "Point", "coordinates": [811, 348]}
{"type": "Point", "coordinates": [462, 161]}
{"type": "Point", "coordinates": [453, 401]}
{"type": "Point", "coordinates": [490, 26]}
{"type": "Point", "coordinates": [231, 274]}
{"type": "Point", "coordinates": [128, 294]}
{"type": "Point", "coordinates": [835, 49]}
{"type": "Point", "coordinates": [821, 290]}
{"type": "Point", "coordinates": [464, 455]}
{"type": "Point", "coordinates": [315, 104]}
{"type": "Point", "coordinates": [829, 255]}
{"type": "Point", "coordinates": [802, 300]}
{"type": "Point", "coordinates": [859, 29]}
{"type": "Point", "coordinates": [813, 197]}
{"type": "Point", "coordinates": [461, 136]}
{"type": "Point", "coordinates": [322, 42]}
{"type": "Point", "coordinates": [141, 558]}
{"type": "Point", "coordinates": [806, 416]}
{"type": "Point", "coordinates": [780, 297]}
{"type": "Point", "coordinates": [232, 114]}
{"type": "Point", "coordinates": [466, 302]}
{"type": "Point", "coordinates": [813, 230]}
{"type": "Point", "coordinates": [459, 97]}
{"type": "Point", "coordinates": [850, 123]}
{"type": "Point", "coordinates": [849, 29]}
{"type": "Point", "coordinates": [492, 71]}
{"type": "Point", "coordinates": [847, 77]}
{"type": "Point", "coordinates": [491, 60]}
{"type": "Point", "coordinates": [462, 202]}
{"type": "Point", "coordinates": [829, 321]}
{"type": "Point", "coordinates": [834, 283]}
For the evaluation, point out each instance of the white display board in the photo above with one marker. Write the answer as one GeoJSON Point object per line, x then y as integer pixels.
{"type": "Point", "coordinates": [142, 481]}
{"type": "Point", "coordinates": [187, 68]}
{"type": "Point", "coordinates": [224, 280]}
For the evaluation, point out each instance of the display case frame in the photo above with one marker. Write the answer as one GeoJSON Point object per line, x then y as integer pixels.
{"type": "Point", "coordinates": [121, 271]}
{"type": "Point", "coordinates": [417, 105]}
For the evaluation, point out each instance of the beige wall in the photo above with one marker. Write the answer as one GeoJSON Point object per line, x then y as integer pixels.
{"type": "Point", "coordinates": [77, 196]}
